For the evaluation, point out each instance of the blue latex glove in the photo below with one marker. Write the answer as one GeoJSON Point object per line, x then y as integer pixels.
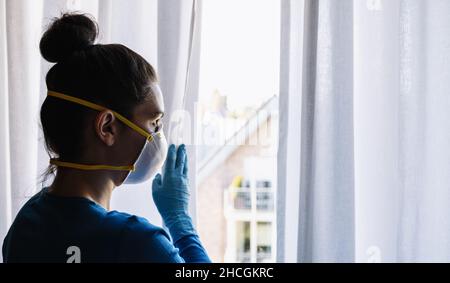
{"type": "Point", "coordinates": [171, 193]}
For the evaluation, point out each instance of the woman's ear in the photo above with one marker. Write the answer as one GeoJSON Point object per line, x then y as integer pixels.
{"type": "Point", "coordinates": [106, 127]}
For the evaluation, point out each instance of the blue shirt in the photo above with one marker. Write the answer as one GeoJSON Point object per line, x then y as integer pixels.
{"type": "Point", "coordinates": [52, 228]}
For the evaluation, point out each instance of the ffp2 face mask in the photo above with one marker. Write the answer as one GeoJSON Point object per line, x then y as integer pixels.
{"type": "Point", "coordinates": [149, 161]}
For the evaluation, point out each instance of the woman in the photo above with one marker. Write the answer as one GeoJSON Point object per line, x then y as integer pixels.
{"type": "Point", "coordinates": [102, 126]}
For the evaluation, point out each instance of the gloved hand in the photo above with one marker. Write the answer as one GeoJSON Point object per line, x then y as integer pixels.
{"type": "Point", "coordinates": [171, 193]}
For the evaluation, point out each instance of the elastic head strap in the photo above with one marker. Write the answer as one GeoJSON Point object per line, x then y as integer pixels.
{"type": "Point", "coordinates": [100, 108]}
{"type": "Point", "coordinates": [90, 167]}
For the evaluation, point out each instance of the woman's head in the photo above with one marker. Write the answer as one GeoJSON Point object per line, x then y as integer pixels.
{"type": "Point", "coordinates": [110, 75]}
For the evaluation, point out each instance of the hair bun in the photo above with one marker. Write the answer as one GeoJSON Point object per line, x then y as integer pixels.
{"type": "Point", "coordinates": [67, 34]}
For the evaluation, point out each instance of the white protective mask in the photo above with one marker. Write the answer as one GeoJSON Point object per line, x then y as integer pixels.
{"type": "Point", "coordinates": [150, 160]}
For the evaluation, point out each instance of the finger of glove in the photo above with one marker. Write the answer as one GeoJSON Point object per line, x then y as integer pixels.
{"type": "Point", "coordinates": [186, 165]}
{"type": "Point", "coordinates": [181, 156]}
{"type": "Point", "coordinates": [157, 182]}
{"type": "Point", "coordinates": [171, 157]}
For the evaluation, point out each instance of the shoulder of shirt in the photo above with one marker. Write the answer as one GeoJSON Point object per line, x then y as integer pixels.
{"type": "Point", "coordinates": [28, 204]}
{"type": "Point", "coordinates": [141, 241]}
{"type": "Point", "coordinates": [131, 222]}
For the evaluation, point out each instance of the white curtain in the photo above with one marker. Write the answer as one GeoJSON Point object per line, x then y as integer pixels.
{"type": "Point", "coordinates": [165, 32]}
{"type": "Point", "coordinates": [20, 82]}
{"type": "Point", "coordinates": [368, 167]}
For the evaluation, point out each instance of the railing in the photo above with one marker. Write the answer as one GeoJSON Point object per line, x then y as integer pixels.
{"type": "Point", "coordinates": [241, 198]}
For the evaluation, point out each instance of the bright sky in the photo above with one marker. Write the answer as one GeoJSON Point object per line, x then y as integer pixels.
{"type": "Point", "coordinates": [240, 50]}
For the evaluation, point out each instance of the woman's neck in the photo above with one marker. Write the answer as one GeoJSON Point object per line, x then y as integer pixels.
{"type": "Point", "coordinates": [93, 185]}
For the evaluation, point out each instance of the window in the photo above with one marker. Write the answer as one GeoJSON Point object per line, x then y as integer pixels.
{"type": "Point", "coordinates": [237, 136]}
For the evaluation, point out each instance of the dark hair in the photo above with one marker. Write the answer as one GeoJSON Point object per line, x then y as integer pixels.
{"type": "Point", "coordinates": [111, 75]}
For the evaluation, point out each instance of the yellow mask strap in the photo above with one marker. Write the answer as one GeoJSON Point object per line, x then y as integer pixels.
{"type": "Point", "coordinates": [100, 108]}
{"type": "Point", "coordinates": [90, 167]}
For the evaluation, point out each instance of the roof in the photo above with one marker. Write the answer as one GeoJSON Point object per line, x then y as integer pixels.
{"type": "Point", "coordinates": [216, 155]}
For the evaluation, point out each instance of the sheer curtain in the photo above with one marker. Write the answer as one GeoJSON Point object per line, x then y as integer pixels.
{"type": "Point", "coordinates": [164, 32]}
{"type": "Point", "coordinates": [368, 167]}
{"type": "Point", "coordinates": [319, 93]}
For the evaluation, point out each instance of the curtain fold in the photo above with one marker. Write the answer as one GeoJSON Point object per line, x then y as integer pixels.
{"type": "Point", "coordinates": [23, 18]}
{"type": "Point", "coordinates": [325, 181]}
{"type": "Point", "coordinates": [289, 136]}
{"type": "Point", "coordinates": [376, 104]}
{"type": "Point", "coordinates": [374, 140]}
{"type": "Point", "coordinates": [326, 225]}
{"type": "Point", "coordinates": [165, 33]}
{"type": "Point", "coordinates": [5, 156]}
{"type": "Point", "coordinates": [424, 157]}
{"type": "Point", "coordinates": [401, 134]}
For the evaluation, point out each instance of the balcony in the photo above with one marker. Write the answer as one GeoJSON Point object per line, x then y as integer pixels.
{"type": "Point", "coordinates": [240, 198]}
